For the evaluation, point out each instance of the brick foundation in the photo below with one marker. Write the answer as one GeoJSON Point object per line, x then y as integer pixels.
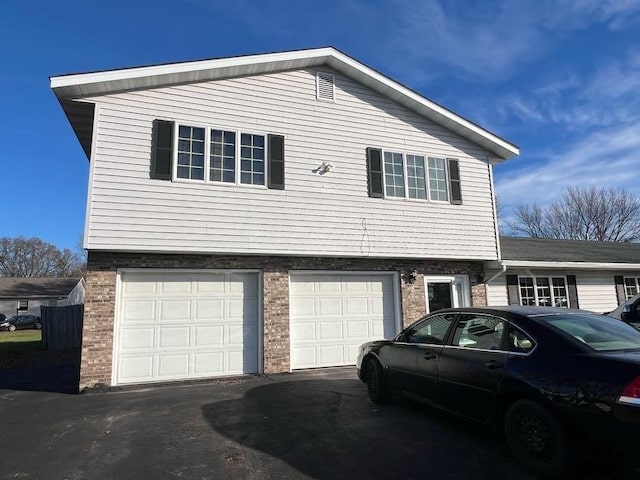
{"type": "Point", "coordinates": [97, 343]}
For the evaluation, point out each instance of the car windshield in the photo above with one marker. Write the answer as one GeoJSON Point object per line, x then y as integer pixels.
{"type": "Point", "coordinates": [599, 332]}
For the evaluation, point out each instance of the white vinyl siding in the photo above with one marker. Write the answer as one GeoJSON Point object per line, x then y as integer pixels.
{"type": "Point", "coordinates": [131, 212]}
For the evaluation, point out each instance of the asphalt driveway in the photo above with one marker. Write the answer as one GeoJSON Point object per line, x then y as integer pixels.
{"type": "Point", "coordinates": [316, 424]}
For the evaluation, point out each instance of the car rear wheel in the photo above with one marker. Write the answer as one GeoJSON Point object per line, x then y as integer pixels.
{"type": "Point", "coordinates": [12, 328]}
{"type": "Point", "coordinates": [376, 383]}
{"type": "Point", "coordinates": [537, 440]}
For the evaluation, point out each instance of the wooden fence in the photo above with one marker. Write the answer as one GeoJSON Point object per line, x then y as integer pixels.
{"type": "Point", "coordinates": [62, 327]}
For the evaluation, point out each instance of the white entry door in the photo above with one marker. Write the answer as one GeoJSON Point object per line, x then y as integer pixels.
{"type": "Point", "coordinates": [332, 314]}
{"type": "Point", "coordinates": [180, 325]}
{"type": "Point", "coordinates": [446, 291]}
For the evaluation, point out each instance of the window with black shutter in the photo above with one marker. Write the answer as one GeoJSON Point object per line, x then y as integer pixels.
{"type": "Point", "coordinates": [374, 170]}
{"type": "Point", "coordinates": [454, 181]}
{"type": "Point", "coordinates": [276, 162]}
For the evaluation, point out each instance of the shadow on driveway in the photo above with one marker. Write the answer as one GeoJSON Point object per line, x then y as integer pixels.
{"type": "Point", "coordinates": [328, 428]}
{"type": "Point", "coordinates": [43, 371]}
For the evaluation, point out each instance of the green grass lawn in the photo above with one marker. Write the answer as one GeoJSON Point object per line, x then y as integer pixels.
{"type": "Point", "coordinates": [20, 338]}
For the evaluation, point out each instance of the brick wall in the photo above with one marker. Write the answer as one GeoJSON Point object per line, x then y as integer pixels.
{"type": "Point", "coordinates": [102, 267]}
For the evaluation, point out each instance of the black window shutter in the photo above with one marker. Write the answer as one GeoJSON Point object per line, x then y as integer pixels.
{"type": "Point", "coordinates": [374, 172]}
{"type": "Point", "coordinates": [572, 291]}
{"type": "Point", "coordinates": [276, 162]}
{"type": "Point", "coordinates": [454, 181]}
{"type": "Point", "coordinates": [161, 150]}
{"type": "Point", "coordinates": [513, 293]}
{"type": "Point", "coordinates": [620, 293]}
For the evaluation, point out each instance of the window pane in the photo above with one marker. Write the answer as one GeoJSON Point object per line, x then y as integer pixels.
{"type": "Point", "coordinates": [394, 175]}
{"type": "Point", "coordinates": [223, 167]}
{"type": "Point", "coordinates": [437, 179]}
{"type": "Point", "coordinates": [252, 154]}
{"type": "Point", "coordinates": [191, 152]}
{"type": "Point", "coordinates": [544, 292]}
{"type": "Point", "coordinates": [631, 286]}
{"type": "Point", "coordinates": [560, 298]}
{"type": "Point", "coordinates": [599, 332]}
{"type": "Point", "coordinates": [432, 330]}
{"type": "Point", "coordinates": [527, 294]}
{"type": "Point", "coordinates": [416, 177]}
{"type": "Point", "coordinates": [480, 332]}
{"type": "Point", "coordinates": [519, 341]}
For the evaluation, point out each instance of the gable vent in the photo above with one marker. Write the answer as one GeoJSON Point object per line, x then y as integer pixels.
{"type": "Point", "coordinates": [325, 86]}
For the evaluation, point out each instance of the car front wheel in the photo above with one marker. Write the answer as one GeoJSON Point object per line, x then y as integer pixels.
{"type": "Point", "coordinates": [12, 328]}
{"type": "Point", "coordinates": [376, 383]}
{"type": "Point", "coordinates": [537, 440]}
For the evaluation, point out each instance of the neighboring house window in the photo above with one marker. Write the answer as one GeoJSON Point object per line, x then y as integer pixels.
{"type": "Point", "coordinates": [543, 291]}
{"type": "Point", "coordinates": [631, 286]}
{"type": "Point", "coordinates": [23, 304]}
{"type": "Point", "coordinates": [211, 155]}
{"type": "Point", "coordinates": [405, 175]}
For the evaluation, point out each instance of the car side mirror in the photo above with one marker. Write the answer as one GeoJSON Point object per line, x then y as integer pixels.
{"type": "Point", "coordinates": [627, 313]}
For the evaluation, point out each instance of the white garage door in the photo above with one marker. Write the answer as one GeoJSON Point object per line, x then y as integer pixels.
{"type": "Point", "coordinates": [332, 314]}
{"type": "Point", "coordinates": [178, 325]}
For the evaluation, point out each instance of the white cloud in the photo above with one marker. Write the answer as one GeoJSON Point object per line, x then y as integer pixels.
{"type": "Point", "coordinates": [607, 158]}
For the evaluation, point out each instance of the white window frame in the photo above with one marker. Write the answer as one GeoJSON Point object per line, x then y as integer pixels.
{"type": "Point", "coordinates": [535, 288]}
{"type": "Point", "coordinates": [26, 305]}
{"type": "Point", "coordinates": [426, 157]}
{"type": "Point", "coordinates": [460, 288]}
{"type": "Point", "coordinates": [207, 154]}
{"type": "Point", "coordinates": [637, 286]}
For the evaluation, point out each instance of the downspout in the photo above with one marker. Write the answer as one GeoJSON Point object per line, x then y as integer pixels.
{"type": "Point", "coordinates": [503, 268]}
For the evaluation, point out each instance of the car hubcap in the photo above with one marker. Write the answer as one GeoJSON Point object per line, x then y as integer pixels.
{"type": "Point", "coordinates": [536, 437]}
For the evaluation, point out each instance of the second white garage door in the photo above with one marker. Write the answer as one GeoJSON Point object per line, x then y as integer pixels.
{"type": "Point", "coordinates": [332, 314]}
{"type": "Point", "coordinates": [179, 325]}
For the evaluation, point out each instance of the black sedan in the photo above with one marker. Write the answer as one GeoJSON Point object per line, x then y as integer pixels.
{"type": "Point", "coordinates": [21, 322]}
{"type": "Point", "coordinates": [551, 379]}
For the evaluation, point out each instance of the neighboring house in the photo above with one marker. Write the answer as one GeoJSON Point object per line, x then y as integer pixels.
{"type": "Point", "coordinates": [271, 212]}
{"type": "Point", "coordinates": [596, 276]}
{"type": "Point", "coordinates": [25, 296]}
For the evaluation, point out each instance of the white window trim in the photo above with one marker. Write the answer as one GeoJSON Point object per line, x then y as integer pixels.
{"type": "Point", "coordinates": [535, 288]}
{"type": "Point", "coordinates": [636, 281]}
{"type": "Point", "coordinates": [406, 197]}
{"type": "Point", "coordinates": [457, 282]}
{"type": "Point", "coordinates": [207, 156]}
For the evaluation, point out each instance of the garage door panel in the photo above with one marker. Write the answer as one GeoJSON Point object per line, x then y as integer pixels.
{"type": "Point", "coordinates": [358, 329]}
{"type": "Point", "coordinates": [209, 336]}
{"type": "Point", "coordinates": [303, 306]}
{"type": "Point", "coordinates": [190, 324]}
{"type": "Point", "coordinates": [302, 332]}
{"type": "Point", "coordinates": [139, 311]}
{"type": "Point", "coordinates": [176, 365]}
{"type": "Point", "coordinates": [173, 337]}
{"type": "Point", "coordinates": [172, 284]}
{"type": "Point", "coordinates": [175, 311]}
{"type": "Point", "coordinates": [357, 306]}
{"type": "Point", "coordinates": [332, 314]}
{"type": "Point", "coordinates": [207, 310]}
{"type": "Point", "coordinates": [329, 306]}
{"type": "Point", "coordinates": [137, 338]}
{"type": "Point", "coordinates": [136, 368]}
{"type": "Point", "coordinates": [330, 330]}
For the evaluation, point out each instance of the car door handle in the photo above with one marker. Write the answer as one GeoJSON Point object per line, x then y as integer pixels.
{"type": "Point", "coordinates": [429, 355]}
{"type": "Point", "coordinates": [492, 364]}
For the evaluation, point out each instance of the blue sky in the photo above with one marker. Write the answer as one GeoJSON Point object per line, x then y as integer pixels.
{"type": "Point", "coordinates": [559, 78]}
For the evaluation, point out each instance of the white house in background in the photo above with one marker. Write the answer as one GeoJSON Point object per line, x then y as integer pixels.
{"type": "Point", "coordinates": [595, 276]}
{"type": "Point", "coordinates": [270, 212]}
{"type": "Point", "coordinates": [25, 296]}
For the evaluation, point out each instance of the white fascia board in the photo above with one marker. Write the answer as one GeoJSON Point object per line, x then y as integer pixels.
{"type": "Point", "coordinates": [87, 84]}
{"type": "Point", "coordinates": [564, 265]}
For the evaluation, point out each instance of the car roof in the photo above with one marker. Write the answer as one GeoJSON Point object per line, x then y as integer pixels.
{"type": "Point", "coordinates": [527, 311]}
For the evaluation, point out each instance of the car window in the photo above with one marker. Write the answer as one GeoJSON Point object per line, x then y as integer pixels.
{"type": "Point", "coordinates": [519, 342]}
{"type": "Point", "coordinates": [432, 330]}
{"type": "Point", "coordinates": [483, 332]}
{"type": "Point", "coordinates": [599, 332]}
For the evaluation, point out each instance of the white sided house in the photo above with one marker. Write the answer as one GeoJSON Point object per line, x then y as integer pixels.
{"type": "Point", "coordinates": [271, 212]}
{"type": "Point", "coordinates": [595, 276]}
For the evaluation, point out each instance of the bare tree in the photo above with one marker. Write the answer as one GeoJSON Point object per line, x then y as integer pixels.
{"type": "Point", "coordinates": [33, 257]}
{"type": "Point", "coordinates": [602, 214]}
